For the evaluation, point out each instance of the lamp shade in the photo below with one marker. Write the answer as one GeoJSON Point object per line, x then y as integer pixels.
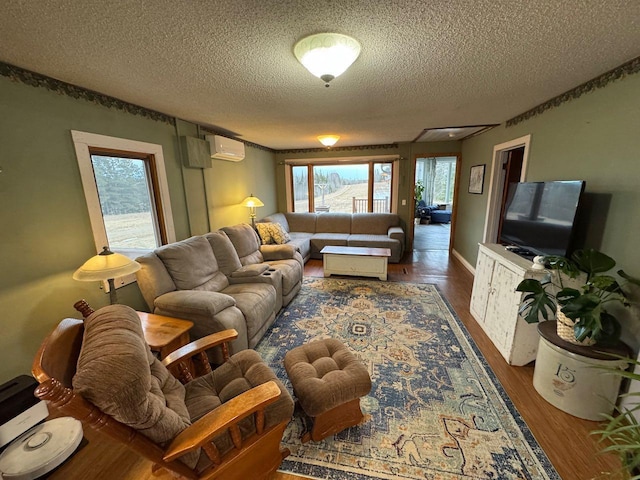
{"type": "Point", "coordinates": [327, 55]}
{"type": "Point", "coordinates": [252, 201]}
{"type": "Point", "coordinates": [104, 266]}
{"type": "Point", "coordinates": [328, 140]}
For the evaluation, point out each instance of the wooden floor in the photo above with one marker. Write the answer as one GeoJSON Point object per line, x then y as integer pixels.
{"type": "Point", "coordinates": [565, 439]}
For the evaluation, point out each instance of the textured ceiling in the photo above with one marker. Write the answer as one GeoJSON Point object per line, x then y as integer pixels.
{"type": "Point", "coordinates": [229, 64]}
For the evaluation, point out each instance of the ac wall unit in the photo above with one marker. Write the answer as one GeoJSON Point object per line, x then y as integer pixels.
{"type": "Point", "coordinates": [224, 148]}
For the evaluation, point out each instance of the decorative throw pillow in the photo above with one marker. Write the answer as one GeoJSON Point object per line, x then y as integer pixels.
{"type": "Point", "coordinates": [264, 232]}
{"type": "Point", "coordinates": [278, 234]}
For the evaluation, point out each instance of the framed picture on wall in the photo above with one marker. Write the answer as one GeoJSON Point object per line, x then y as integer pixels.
{"type": "Point", "coordinates": [476, 179]}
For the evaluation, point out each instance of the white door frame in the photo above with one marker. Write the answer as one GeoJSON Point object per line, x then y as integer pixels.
{"type": "Point", "coordinates": [496, 184]}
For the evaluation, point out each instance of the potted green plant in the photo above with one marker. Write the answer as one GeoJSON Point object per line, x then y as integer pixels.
{"type": "Point", "coordinates": [418, 191]}
{"type": "Point", "coordinates": [585, 307]}
{"type": "Point", "coordinates": [621, 431]}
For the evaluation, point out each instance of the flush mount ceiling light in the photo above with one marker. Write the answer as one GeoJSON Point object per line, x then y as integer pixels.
{"type": "Point", "coordinates": [327, 55]}
{"type": "Point", "coordinates": [328, 140]}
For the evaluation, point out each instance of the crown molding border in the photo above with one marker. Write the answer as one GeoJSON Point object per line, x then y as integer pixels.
{"type": "Point", "coordinates": [33, 79]}
{"type": "Point", "coordinates": [629, 68]}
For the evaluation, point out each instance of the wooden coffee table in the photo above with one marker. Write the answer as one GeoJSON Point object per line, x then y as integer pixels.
{"type": "Point", "coordinates": [357, 261]}
{"type": "Point", "coordinates": [164, 334]}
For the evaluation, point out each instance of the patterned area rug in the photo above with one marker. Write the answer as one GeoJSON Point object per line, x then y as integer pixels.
{"type": "Point", "coordinates": [437, 411]}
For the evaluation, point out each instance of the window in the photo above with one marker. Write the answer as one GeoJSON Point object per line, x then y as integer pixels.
{"type": "Point", "coordinates": [127, 194]}
{"type": "Point", "coordinates": [437, 175]}
{"type": "Point", "coordinates": [341, 185]}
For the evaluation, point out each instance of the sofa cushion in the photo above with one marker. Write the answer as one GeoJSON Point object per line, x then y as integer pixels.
{"type": "Point", "coordinates": [225, 253]}
{"type": "Point", "coordinates": [301, 222]}
{"type": "Point", "coordinates": [192, 265]}
{"type": "Point", "coordinates": [291, 271]}
{"type": "Point", "coordinates": [373, 223]}
{"type": "Point", "coordinates": [302, 241]}
{"type": "Point", "coordinates": [276, 218]}
{"type": "Point", "coordinates": [321, 240]}
{"type": "Point", "coordinates": [333, 223]}
{"type": "Point", "coordinates": [257, 302]}
{"type": "Point", "coordinates": [246, 242]}
{"type": "Point", "coordinates": [373, 241]}
{"type": "Point", "coordinates": [118, 373]}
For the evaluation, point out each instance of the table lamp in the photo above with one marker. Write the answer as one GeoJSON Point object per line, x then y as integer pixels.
{"type": "Point", "coordinates": [252, 202]}
{"type": "Point", "coordinates": [107, 265]}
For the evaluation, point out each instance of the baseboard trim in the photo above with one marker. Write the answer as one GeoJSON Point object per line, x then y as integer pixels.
{"type": "Point", "coordinates": [463, 261]}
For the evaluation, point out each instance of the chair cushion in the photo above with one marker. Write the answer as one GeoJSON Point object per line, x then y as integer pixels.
{"type": "Point", "coordinates": [325, 374]}
{"type": "Point", "coordinates": [117, 372]}
{"type": "Point", "coordinates": [241, 372]}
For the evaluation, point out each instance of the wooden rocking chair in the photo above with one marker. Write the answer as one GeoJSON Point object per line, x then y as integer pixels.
{"type": "Point", "coordinates": [255, 453]}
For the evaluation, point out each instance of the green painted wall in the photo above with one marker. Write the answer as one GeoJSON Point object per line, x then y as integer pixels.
{"type": "Point", "coordinates": [45, 232]}
{"type": "Point", "coordinates": [593, 138]}
{"type": "Point", "coordinates": [254, 175]}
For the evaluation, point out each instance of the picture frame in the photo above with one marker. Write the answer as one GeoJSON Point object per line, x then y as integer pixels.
{"type": "Point", "coordinates": [476, 179]}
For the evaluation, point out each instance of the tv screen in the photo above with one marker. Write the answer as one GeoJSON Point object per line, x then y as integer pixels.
{"type": "Point", "coordinates": [540, 216]}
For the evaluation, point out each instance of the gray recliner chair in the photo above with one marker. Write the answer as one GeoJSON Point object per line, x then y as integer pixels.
{"type": "Point", "coordinates": [283, 258]}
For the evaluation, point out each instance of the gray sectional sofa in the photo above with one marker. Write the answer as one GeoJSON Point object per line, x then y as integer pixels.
{"type": "Point", "coordinates": [310, 232]}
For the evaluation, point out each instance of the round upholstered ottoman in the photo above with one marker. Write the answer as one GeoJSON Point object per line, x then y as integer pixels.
{"type": "Point", "coordinates": [328, 381]}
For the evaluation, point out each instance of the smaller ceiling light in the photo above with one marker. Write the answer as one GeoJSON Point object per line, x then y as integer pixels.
{"type": "Point", "coordinates": [327, 55]}
{"type": "Point", "coordinates": [328, 140]}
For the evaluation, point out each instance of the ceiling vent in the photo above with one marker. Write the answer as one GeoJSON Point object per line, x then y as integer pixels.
{"type": "Point", "coordinates": [224, 148]}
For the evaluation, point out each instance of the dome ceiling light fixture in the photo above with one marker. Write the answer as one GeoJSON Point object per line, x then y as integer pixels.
{"type": "Point", "coordinates": [328, 140]}
{"type": "Point", "coordinates": [327, 55]}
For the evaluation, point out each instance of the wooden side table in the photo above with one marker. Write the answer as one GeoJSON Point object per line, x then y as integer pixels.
{"type": "Point", "coordinates": [164, 334]}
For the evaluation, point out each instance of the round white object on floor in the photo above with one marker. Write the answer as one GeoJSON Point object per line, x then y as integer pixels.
{"type": "Point", "coordinates": [41, 449]}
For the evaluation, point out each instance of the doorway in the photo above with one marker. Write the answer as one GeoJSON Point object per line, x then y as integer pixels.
{"type": "Point", "coordinates": [509, 165]}
{"type": "Point", "coordinates": [435, 181]}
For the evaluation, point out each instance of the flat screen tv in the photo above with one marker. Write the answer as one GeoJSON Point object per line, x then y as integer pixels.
{"type": "Point", "coordinates": [539, 217]}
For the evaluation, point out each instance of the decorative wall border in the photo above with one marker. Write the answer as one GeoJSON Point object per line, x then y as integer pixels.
{"type": "Point", "coordinates": [338, 149]}
{"type": "Point", "coordinates": [33, 79]}
{"type": "Point", "coordinates": [629, 68]}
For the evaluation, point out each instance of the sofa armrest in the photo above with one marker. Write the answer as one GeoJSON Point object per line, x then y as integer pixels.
{"type": "Point", "coordinates": [194, 302]}
{"type": "Point", "coordinates": [397, 233]}
{"type": "Point", "coordinates": [278, 252]}
{"type": "Point", "coordinates": [250, 271]}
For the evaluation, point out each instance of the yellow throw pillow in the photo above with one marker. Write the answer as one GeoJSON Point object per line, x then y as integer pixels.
{"type": "Point", "coordinates": [264, 232]}
{"type": "Point", "coordinates": [278, 234]}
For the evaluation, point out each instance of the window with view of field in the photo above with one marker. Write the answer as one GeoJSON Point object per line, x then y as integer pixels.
{"type": "Point", "coordinates": [126, 201]}
{"type": "Point", "coordinates": [346, 188]}
{"type": "Point", "coordinates": [127, 193]}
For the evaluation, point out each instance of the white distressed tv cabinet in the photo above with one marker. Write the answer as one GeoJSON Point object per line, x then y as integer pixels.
{"type": "Point", "coordinates": [359, 261]}
{"type": "Point", "coordinates": [495, 302]}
